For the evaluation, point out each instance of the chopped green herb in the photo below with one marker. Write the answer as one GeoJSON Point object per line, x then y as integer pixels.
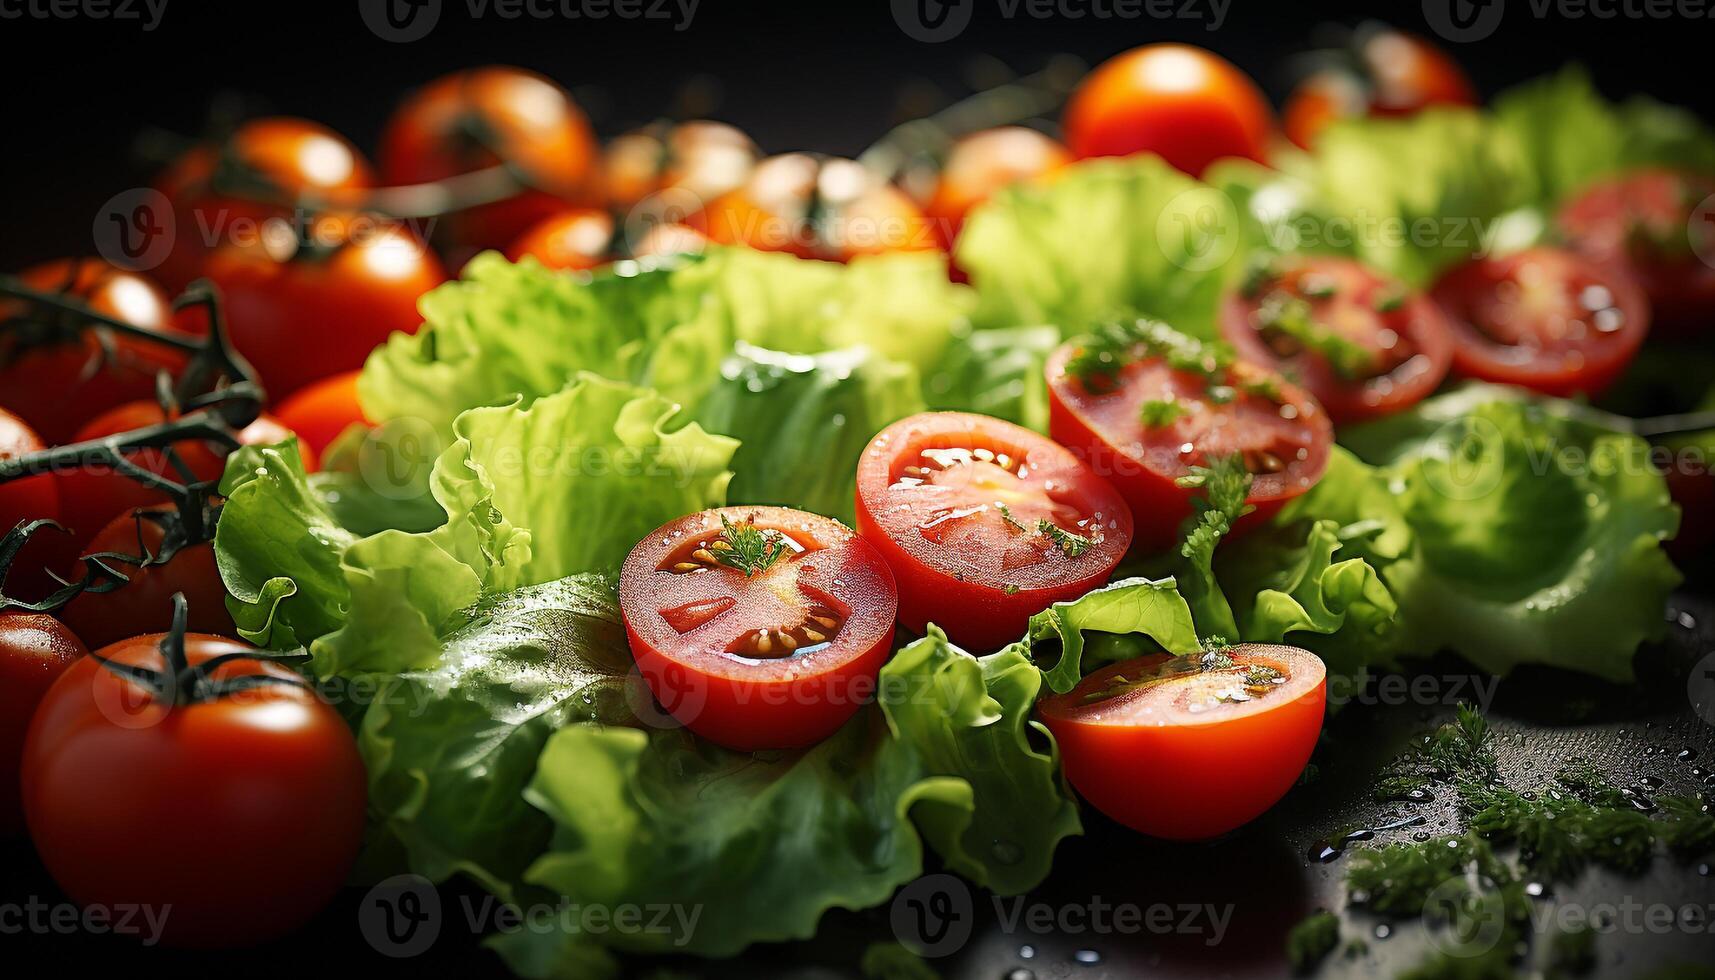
{"type": "Point", "coordinates": [1390, 301]}
{"type": "Point", "coordinates": [1311, 940]}
{"type": "Point", "coordinates": [749, 549]}
{"type": "Point", "coordinates": [1006, 515]}
{"type": "Point", "coordinates": [1157, 412]}
{"type": "Point", "coordinates": [1102, 354]}
{"type": "Point", "coordinates": [1317, 287]}
{"type": "Point", "coordinates": [1068, 542]}
{"type": "Point", "coordinates": [1290, 316]}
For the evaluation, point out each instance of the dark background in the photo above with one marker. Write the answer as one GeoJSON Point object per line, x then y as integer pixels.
{"type": "Point", "coordinates": [827, 75]}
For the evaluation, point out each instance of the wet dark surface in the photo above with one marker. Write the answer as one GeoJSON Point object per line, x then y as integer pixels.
{"type": "Point", "coordinates": [1120, 905]}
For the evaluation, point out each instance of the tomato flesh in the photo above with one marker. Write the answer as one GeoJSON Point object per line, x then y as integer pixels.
{"type": "Point", "coordinates": [1643, 222]}
{"type": "Point", "coordinates": [776, 659]}
{"type": "Point", "coordinates": [263, 791]}
{"type": "Point", "coordinates": [1277, 431]}
{"type": "Point", "coordinates": [1363, 344]}
{"type": "Point", "coordinates": [1544, 318]}
{"type": "Point", "coordinates": [1174, 750]}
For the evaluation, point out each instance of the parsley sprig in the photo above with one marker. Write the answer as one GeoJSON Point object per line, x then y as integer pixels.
{"type": "Point", "coordinates": [749, 549]}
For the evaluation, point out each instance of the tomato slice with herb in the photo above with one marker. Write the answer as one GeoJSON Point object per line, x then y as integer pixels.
{"type": "Point", "coordinates": [1190, 747]}
{"type": "Point", "coordinates": [1655, 223]}
{"type": "Point", "coordinates": [985, 523]}
{"type": "Point", "coordinates": [1362, 343]}
{"type": "Point", "coordinates": [1543, 318]}
{"type": "Point", "coordinates": [1143, 405]}
{"type": "Point", "coordinates": [758, 627]}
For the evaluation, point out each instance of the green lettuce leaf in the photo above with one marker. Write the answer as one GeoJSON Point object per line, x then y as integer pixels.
{"type": "Point", "coordinates": [1105, 240]}
{"type": "Point", "coordinates": [802, 420]}
{"type": "Point", "coordinates": [1129, 608]}
{"type": "Point", "coordinates": [996, 372]}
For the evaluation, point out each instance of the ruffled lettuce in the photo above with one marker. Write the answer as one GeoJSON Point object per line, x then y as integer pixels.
{"type": "Point", "coordinates": [1104, 240]}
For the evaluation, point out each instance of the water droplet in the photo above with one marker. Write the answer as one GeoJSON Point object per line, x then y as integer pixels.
{"type": "Point", "coordinates": [1703, 869]}
{"type": "Point", "coordinates": [1420, 836]}
{"type": "Point", "coordinates": [1535, 889]}
{"type": "Point", "coordinates": [1020, 973]}
{"type": "Point", "coordinates": [1027, 952]}
{"type": "Point", "coordinates": [1383, 930]}
{"type": "Point", "coordinates": [1087, 957]}
{"type": "Point", "coordinates": [1651, 782]}
{"type": "Point", "coordinates": [1686, 754]}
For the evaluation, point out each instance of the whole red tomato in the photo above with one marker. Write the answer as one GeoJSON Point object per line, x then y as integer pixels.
{"type": "Point", "coordinates": [253, 778]}
{"type": "Point", "coordinates": [318, 413]}
{"type": "Point", "coordinates": [226, 191]}
{"type": "Point", "coordinates": [56, 372]}
{"type": "Point", "coordinates": [1185, 104]}
{"type": "Point", "coordinates": [34, 649]}
{"type": "Point", "coordinates": [983, 163]}
{"type": "Point", "coordinates": [816, 208]}
{"type": "Point", "coordinates": [32, 498]}
{"type": "Point", "coordinates": [477, 119]}
{"type": "Point", "coordinates": [576, 239]}
{"type": "Point", "coordinates": [1384, 72]}
{"type": "Point", "coordinates": [145, 603]}
{"type": "Point", "coordinates": [300, 314]}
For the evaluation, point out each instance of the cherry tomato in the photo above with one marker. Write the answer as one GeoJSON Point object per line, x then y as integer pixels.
{"type": "Point", "coordinates": [34, 649]}
{"type": "Point", "coordinates": [473, 120]}
{"type": "Point", "coordinates": [32, 498]}
{"type": "Point", "coordinates": [775, 653]}
{"type": "Point", "coordinates": [227, 191]}
{"type": "Point", "coordinates": [300, 316]}
{"type": "Point", "coordinates": [985, 523]}
{"type": "Point", "coordinates": [319, 413]}
{"type": "Point", "coordinates": [1643, 221]}
{"type": "Point", "coordinates": [1363, 344]}
{"type": "Point", "coordinates": [1185, 104]}
{"type": "Point", "coordinates": [56, 376]}
{"type": "Point", "coordinates": [1385, 73]}
{"type": "Point", "coordinates": [670, 239]}
{"type": "Point", "coordinates": [1173, 748]}
{"type": "Point", "coordinates": [92, 495]}
{"type": "Point", "coordinates": [816, 209]}
{"type": "Point", "coordinates": [259, 789]}
{"type": "Point", "coordinates": [983, 163]}
{"type": "Point", "coordinates": [700, 158]}
{"type": "Point", "coordinates": [577, 239]}
{"type": "Point", "coordinates": [1143, 422]}
{"type": "Point", "coordinates": [1544, 319]}
{"type": "Point", "coordinates": [145, 603]}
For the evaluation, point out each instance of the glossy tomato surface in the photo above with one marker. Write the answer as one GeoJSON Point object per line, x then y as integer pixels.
{"type": "Point", "coordinates": [577, 239]}
{"type": "Point", "coordinates": [56, 376]}
{"type": "Point", "coordinates": [318, 413]}
{"type": "Point", "coordinates": [985, 523]}
{"type": "Point", "coordinates": [1173, 748]}
{"type": "Point", "coordinates": [983, 163]}
{"type": "Point", "coordinates": [776, 659]}
{"type": "Point", "coordinates": [816, 208]}
{"type": "Point", "coordinates": [477, 119]}
{"type": "Point", "coordinates": [33, 498]}
{"type": "Point", "coordinates": [1362, 343]}
{"type": "Point", "coordinates": [93, 493]}
{"type": "Point", "coordinates": [1660, 225]}
{"type": "Point", "coordinates": [300, 318]}
{"type": "Point", "coordinates": [696, 161]}
{"type": "Point", "coordinates": [34, 650]}
{"type": "Point", "coordinates": [1144, 423]}
{"type": "Point", "coordinates": [145, 603]}
{"type": "Point", "coordinates": [263, 170]}
{"type": "Point", "coordinates": [1543, 318]}
{"type": "Point", "coordinates": [1384, 72]}
{"type": "Point", "coordinates": [264, 789]}
{"type": "Point", "coordinates": [1187, 105]}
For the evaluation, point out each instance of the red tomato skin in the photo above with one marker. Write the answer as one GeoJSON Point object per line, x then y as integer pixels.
{"type": "Point", "coordinates": [320, 412]}
{"type": "Point", "coordinates": [726, 713]}
{"type": "Point", "coordinates": [268, 809]}
{"type": "Point", "coordinates": [1210, 110]}
{"type": "Point", "coordinates": [1471, 350]}
{"type": "Point", "coordinates": [35, 648]}
{"type": "Point", "coordinates": [53, 387]}
{"type": "Point", "coordinates": [1181, 782]}
{"type": "Point", "coordinates": [306, 319]}
{"type": "Point", "coordinates": [576, 239]}
{"type": "Point", "coordinates": [772, 212]}
{"type": "Point", "coordinates": [982, 164]}
{"type": "Point", "coordinates": [976, 617]}
{"type": "Point", "coordinates": [145, 603]}
{"type": "Point", "coordinates": [33, 498]}
{"type": "Point", "coordinates": [91, 496]}
{"type": "Point", "coordinates": [1602, 222]}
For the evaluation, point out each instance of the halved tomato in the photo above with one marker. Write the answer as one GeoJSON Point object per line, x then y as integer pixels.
{"type": "Point", "coordinates": [1362, 343]}
{"type": "Point", "coordinates": [1660, 226]}
{"type": "Point", "coordinates": [758, 627]}
{"type": "Point", "coordinates": [985, 523]}
{"type": "Point", "coordinates": [1543, 318]}
{"type": "Point", "coordinates": [1190, 747]}
{"type": "Point", "coordinates": [1143, 406]}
